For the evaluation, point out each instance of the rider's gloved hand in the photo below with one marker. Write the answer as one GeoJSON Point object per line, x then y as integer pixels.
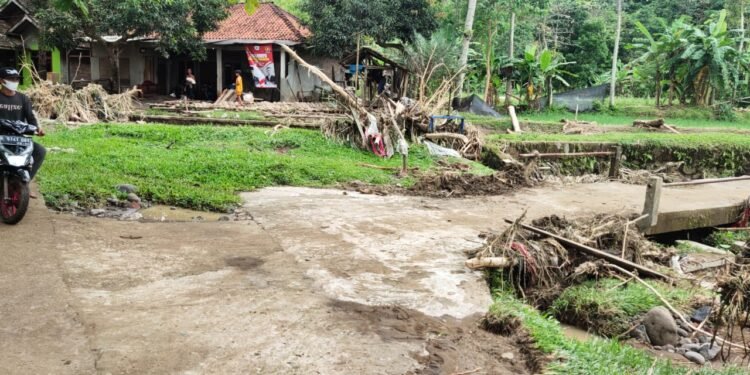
{"type": "Point", "coordinates": [40, 132]}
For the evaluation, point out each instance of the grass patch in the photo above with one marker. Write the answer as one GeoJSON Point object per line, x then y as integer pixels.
{"type": "Point", "coordinates": [608, 119]}
{"type": "Point", "coordinates": [501, 123]}
{"type": "Point", "coordinates": [701, 140]}
{"type": "Point", "coordinates": [201, 167]}
{"type": "Point", "coordinates": [597, 356]}
{"type": "Point", "coordinates": [607, 307]}
{"type": "Point", "coordinates": [726, 239]}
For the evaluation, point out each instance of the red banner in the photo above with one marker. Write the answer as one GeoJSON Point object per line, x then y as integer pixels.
{"type": "Point", "coordinates": [260, 58]}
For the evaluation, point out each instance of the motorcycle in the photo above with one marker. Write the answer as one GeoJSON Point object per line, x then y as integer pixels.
{"type": "Point", "coordinates": [16, 161]}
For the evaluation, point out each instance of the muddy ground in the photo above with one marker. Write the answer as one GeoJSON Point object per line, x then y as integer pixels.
{"type": "Point", "coordinates": [318, 282]}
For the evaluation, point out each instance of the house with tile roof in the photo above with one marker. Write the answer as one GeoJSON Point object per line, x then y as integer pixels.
{"type": "Point", "coordinates": [19, 40]}
{"type": "Point", "coordinates": [226, 47]}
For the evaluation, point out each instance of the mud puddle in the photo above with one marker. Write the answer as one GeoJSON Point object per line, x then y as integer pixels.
{"type": "Point", "coordinates": [575, 333]}
{"type": "Point", "coordinates": [175, 214]}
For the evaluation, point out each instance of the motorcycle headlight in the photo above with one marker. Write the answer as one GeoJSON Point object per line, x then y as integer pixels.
{"type": "Point", "coordinates": [18, 160]}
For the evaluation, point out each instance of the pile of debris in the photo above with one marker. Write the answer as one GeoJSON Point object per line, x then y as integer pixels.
{"type": "Point", "coordinates": [89, 105]}
{"type": "Point", "coordinates": [544, 258]}
{"type": "Point", "coordinates": [383, 130]}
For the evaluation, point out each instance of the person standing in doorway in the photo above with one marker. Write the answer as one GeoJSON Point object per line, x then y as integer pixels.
{"type": "Point", "coordinates": [15, 106]}
{"type": "Point", "coordinates": [190, 84]}
{"type": "Point", "coordinates": [238, 87]}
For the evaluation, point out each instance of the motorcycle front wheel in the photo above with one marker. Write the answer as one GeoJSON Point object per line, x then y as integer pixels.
{"type": "Point", "coordinates": [14, 202]}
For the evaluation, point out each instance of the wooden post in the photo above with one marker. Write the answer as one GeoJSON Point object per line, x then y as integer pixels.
{"type": "Point", "coordinates": [614, 166]}
{"type": "Point", "coordinates": [219, 71]}
{"type": "Point", "coordinates": [651, 207]}
{"type": "Point", "coordinates": [514, 119]}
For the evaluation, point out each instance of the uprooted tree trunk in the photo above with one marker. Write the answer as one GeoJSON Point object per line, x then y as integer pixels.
{"type": "Point", "coordinates": [358, 112]}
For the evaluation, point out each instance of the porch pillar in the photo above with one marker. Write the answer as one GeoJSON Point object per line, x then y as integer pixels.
{"type": "Point", "coordinates": [219, 72]}
{"type": "Point", "coordinates": [283, 69]}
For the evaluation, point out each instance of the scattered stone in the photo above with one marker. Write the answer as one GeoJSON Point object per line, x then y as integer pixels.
{"type": "Point", "coordinates": [668, 347]}
{"type": "Point", "coordinates": [113, 201]}
{"type": "Point", "coordinates": [709, 352]}
{"type": "Point", "coordinates": [132, 197]}
{"type": "Point", "coordinates": [686, 341]}
{"type": "Point", "coordinates": [97, 212]}
{"type": "Point", "coordinates": [224, 218]}
{"type": "Point", "coordinates": [639, 333]}
{"type": "Point", "coordinates": [692, 347]}
{"type": "Point", "coordinates": [508, 356]}
{"type": "Point", "coordinates": [682, 333]}
{"type": "Point", "coordinates": [704, 339]}
{"type": "Point", "coordinates": [661, 326]}
{"type": "Point", "coordinates": [658, 347]}
{"type": "Point", "coordinates": [681, 351]}
{"type": "Point", "coordinates": [670, 350]}
{"type": "Point", "coordinates": [173, 208]}
{"type": "Point", "coordinates": [135, 205]}
{"type": "Point", "coordinates": [701, 314]}
{"type": "Point", "coordinates": [131, 215]}
{"type": "Point", "coordinates": [695, 357]}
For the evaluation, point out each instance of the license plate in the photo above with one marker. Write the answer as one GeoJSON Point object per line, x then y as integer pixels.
{"type": "Point", "coordinates": [15, 140]}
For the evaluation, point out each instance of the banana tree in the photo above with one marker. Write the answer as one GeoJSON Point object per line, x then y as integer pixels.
{"type": "Point", "coordinates": [541, 69]}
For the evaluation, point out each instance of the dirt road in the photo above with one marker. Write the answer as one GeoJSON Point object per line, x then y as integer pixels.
{"type": "Point", "coordinates": [319, 282]}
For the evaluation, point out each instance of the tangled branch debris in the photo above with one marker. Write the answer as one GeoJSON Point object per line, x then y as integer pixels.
{"type": "Point", "coordinates": [88, 105]}
{"type": "Point", "coordinates": [735, 306]}
{"type": "Point", "coordinates": [543, 259]}
{"type": "Point", "coordinates": [382, 130]}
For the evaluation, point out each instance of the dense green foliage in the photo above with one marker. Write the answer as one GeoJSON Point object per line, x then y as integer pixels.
{"type": "Point", "coordinates": [183, 21]}
{"type": "Point", "coordinates": [336, 24]}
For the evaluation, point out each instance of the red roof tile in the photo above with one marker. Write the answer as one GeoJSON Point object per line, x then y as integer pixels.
{"type": "Point", "coordinates": [269, 22]}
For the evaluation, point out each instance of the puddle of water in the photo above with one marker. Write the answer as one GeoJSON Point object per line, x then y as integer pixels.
{"type": "Point", "coordinates": [576, 333]}
{"type": "Point", "coordinates": [166, 213]}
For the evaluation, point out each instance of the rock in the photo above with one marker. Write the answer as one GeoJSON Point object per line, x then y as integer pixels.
{"type": "Point", "coordinates": [508, 356]}
{"type": "Point", "coordinates": [701, 314]}
{"type": "Point", "coordinates": [135, 205]}
{"type": "Point", "coordinates": [668, 347]}
{"type": "Point", "coordinates": [131, 215]}
{"type": "Point", "coordinates": [681, 351]}
{"type": "Point", "coordinates": [686, 341]}
{"type": "Point", "coordinates": [709, 352]}
{"type": "Point", "coordinates": [704, 339]}
{"type": "Point", "coordinates": [692, 347]}
{"type": "Point", "coordinates": [133, 198]}
{"type": "Point", "coordinates": [126, 188]}
{"type": "Point", "coordinates": [224, 218]}
{"type": "Point", "coordinates": [173, 208]}
{"type": "Point", "coordinates": [670, 350]}
{"type": "Point", "coordinates": [113, 201]}
{"type": "Point", "coordinates": [639, 333]}
{"type": "Point", "coordinates": [660, 326]}
{"type": "Point", "coordinates": [682, 333]}
{"type": "Point", "coordinates": [97, 212]}
{"type": "Point", "coordinates": [695, 357]}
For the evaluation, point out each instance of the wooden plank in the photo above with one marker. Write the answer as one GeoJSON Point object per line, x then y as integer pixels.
{"type": "Point", "coordinates": [566, 154]}
{"type": "Point", "coordinates": [707, 181]}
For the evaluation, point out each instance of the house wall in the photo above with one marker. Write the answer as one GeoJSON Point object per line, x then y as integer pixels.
{"type": "Point", "coordinates": [300, 83]}
{"type": "Point", "coordinates": [132, 64]}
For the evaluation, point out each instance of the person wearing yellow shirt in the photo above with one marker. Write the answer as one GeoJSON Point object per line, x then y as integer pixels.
{"type": "Point", "coordinates": [238, 87]}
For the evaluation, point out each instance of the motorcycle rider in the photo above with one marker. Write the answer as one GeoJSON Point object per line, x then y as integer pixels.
{"type": "Point", "coordinates": [16, 106]}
